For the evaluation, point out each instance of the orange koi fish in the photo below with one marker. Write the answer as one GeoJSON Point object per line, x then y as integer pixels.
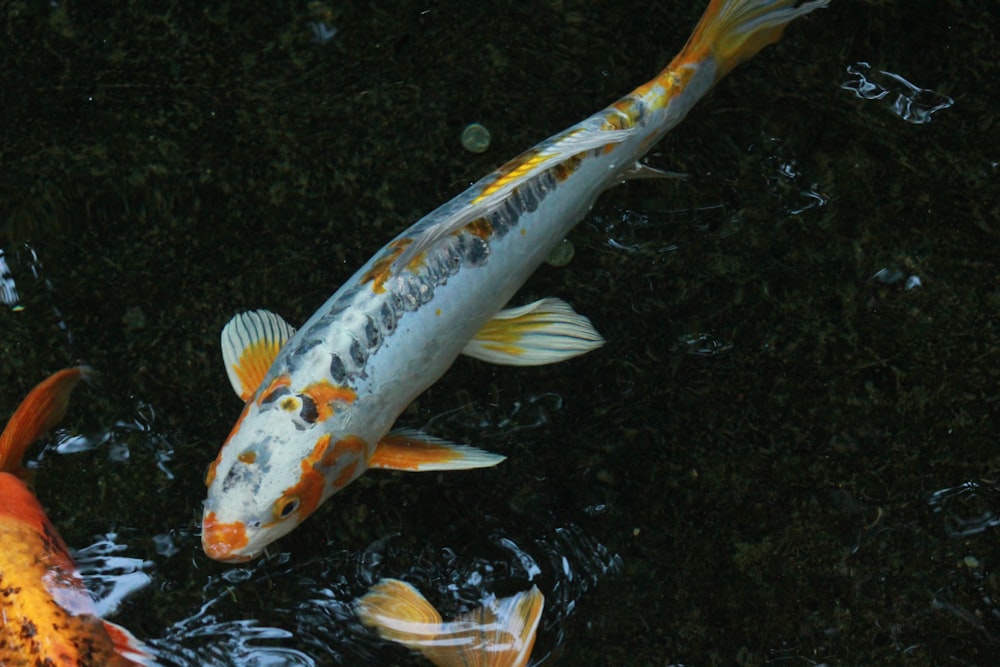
{"type": "Point", "coordinates": [47, 617]}
{"type": "Point", "coordinates": [501, 633]}
{"type": "Point", "coordinates": [320, 402]}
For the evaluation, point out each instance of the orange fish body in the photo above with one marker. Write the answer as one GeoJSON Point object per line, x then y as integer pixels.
{"type": "Point", "coordinates": [47, 617]}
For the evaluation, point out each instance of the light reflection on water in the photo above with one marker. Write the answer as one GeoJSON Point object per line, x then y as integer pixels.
{"type": "Point", "coordinates": [968, 509]}
{"type": "Point", "coordinates": [110, 577]}
{"type": "Point", "coordinates": [910, 102]}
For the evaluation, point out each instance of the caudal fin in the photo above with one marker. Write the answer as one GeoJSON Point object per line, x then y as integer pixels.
{"type": "Point", "coordinates": [501, 633]}
{"type": "Point", "coordinates": [730, 31]}
{"type": "Point", "coordinates": [40, 410]}
{"type": "Point", "coordinates": [128, 646]}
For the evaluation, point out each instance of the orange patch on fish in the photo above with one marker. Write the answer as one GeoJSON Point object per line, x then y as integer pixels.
{"type": "Point", "coordinates": [324, 395]}
{"type": "Point", "coordinates": [280, 381]}
{"type": "Point", "coordinates": [309, 490]}
{"type": "Point", "coordinates": [247, 457]}
{"type": "Point", "coordinates": [382, 268]}
{"type": "Point", "coordinates": [480, 227]}
{"type": "Point", "coordinates": [512, 171]}
{"type": "Point", "coordinates": [351, 447]}
{"type": "Point", "coordinates": [221, 539]}
{"type": "Point", "coordinates": [565, 169]}
{"type": "Point", "coordinates": [255, 360]}
{"type": "Point", "coordinates": [406, 453]}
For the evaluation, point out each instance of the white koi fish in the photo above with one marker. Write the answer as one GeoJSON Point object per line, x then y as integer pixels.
{"type": "Point", "coordinates": [320, 402]}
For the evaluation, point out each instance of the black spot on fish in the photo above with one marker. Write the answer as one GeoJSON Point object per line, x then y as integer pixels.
{"type": "Point", "coordinates": [306, 345]}
{"type": "Point", "coordinates": [28, 629]}
{"type": "Point", "coordinates": [388, 318]}
{"type": "Point", "coordinates": [545, 183]}
{"type": "Point", "coordinates": [452, 259]}
{"type": "Point", "coordinates": [372, 334]}
{"type": "Point", "coordinates": [358, 354]}
{"type": "Point", "coordinates": [337, 369]}
{"type": "Point", "coordinates": [308, 413]}
{"type": "Point", "coordinates": [477, 251]}
{"type": "Point", "coordinates": [525, 197]}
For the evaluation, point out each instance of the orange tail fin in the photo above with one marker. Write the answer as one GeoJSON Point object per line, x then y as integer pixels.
{"type": "Point", "coordinates": [730, 31]}
{"type": "Point", "coordinates": [39, 411]}
{"type": "Point", "coordinates": [501, 633]}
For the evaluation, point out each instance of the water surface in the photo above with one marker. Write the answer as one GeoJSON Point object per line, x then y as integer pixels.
{"type": "Point", "coordinates": [785, 454]}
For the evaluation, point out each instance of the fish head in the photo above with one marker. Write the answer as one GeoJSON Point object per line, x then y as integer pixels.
{"type": "Point", "coordinates": [285, 456]}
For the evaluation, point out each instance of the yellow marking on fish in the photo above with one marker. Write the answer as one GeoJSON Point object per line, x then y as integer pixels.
{"type": "Point", "coordinates": [247, 457]}
{"type": "Point", "coordinates": [512, 171]}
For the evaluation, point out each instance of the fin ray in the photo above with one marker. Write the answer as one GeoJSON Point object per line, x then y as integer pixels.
{"type": "Point", "coordinates": [412, 451]}
{"type": "Point", "coordinates": [544, 332]}
{"type": "Point", "coordinates": [250, 344]}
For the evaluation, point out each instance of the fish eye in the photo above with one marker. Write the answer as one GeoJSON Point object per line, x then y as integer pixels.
{"type": "Point", "coordinates": [285, 506]}
{"type": "Point", "coordinates": [309, 413]}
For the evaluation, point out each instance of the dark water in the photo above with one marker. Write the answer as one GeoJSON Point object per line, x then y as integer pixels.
{"type": "Point", "coordinates": [786, 453]}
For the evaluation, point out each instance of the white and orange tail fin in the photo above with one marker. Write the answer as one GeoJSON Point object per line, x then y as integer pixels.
{"type": "Point", "coordinates": [40, 410]}
{"type": "Point", "coordinates": [129, 647]}
{"type": "Point", "coordinates": [501, 633]}
{"type": "Point", "coordinates": [731, 31]}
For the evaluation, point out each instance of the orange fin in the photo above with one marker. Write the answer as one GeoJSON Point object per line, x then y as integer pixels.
{"type": "Point", "coordinates": [501, 633]}
{"type": "Point", "coordinates": [731, 31]}
{"type": "Point", "coordinates": [404, 449]}
{"type": "Point", "coordinates": [128, 646]}
{"type": "Point", "coordinates": [40, 410]}
{"type": "Point", "coordinates": [544, 332]}
{"type": "Point", "coordinates": [250, 344]}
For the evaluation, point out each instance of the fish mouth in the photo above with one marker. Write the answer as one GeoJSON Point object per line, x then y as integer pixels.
{"type": "Point", "coordinates": [225, 541]}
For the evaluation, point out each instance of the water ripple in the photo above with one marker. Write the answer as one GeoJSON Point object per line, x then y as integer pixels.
{"type": "Point", "coordinates": [110, 578]}
{"type": "Point", "coordinates": [911, 103]}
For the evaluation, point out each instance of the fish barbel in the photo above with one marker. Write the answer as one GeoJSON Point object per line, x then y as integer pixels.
{"type": "Point", "coordinates": [320, 402]}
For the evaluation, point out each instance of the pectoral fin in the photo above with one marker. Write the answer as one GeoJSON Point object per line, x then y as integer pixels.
{"type": "Point", "coordinates": [642, 171]}
{"type": "Point", "coordinates": [542, 332]}
{"type": "Point", "coordinates": [412, 451]}
{"type": "Point", "coordinates": [250, 343]}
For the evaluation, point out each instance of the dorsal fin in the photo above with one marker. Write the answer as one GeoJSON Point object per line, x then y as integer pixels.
{"type": "Point", "coordinates": [250, 344]}
{"type": "Point", "coordinates": [495, 188]}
